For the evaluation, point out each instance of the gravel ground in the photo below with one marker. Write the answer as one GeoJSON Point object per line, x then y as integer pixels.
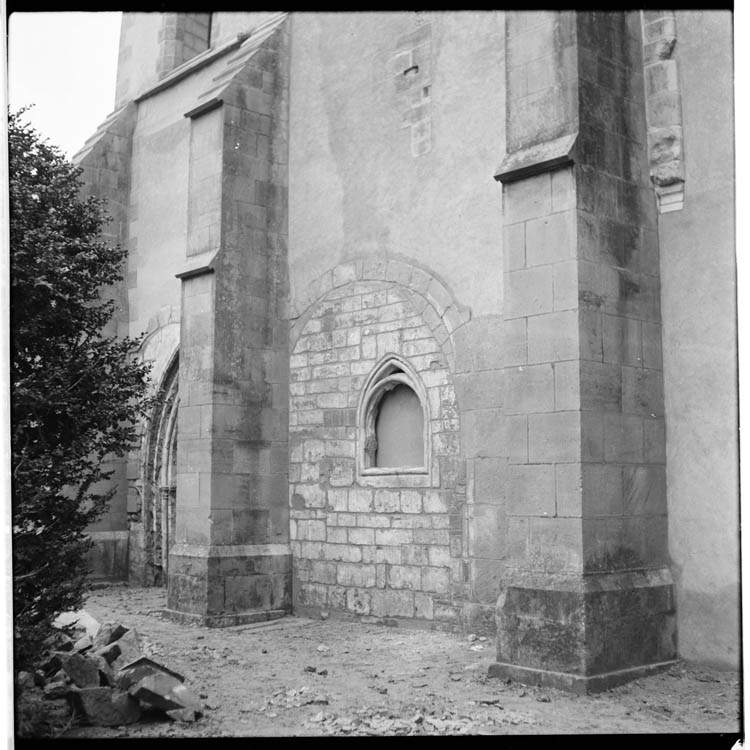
{"type": "Point", "coordinates": [299, 676]}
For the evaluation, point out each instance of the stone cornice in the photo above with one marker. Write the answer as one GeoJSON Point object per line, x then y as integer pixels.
{"type": "Point", "coordinates": [198, 265]}
{"type": "Point", "coordinates": [192, 65]}
{"type": "Point", "coordinates": [536, 159]}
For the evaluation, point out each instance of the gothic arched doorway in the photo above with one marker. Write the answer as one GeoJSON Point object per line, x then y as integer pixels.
{"type": "Point", "coordinates": [160, 487]}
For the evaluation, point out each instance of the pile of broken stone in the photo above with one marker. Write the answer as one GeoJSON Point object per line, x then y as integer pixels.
{"type": "Point", "coordinates": [107, 679]}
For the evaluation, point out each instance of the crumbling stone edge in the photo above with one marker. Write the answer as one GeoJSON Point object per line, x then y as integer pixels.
{"type": "Point", "coordinates": [224, 620]}
{"type": "Point", "coordinates": [579, 684]}
{"type": "Point", "coordinates": [663, 109]}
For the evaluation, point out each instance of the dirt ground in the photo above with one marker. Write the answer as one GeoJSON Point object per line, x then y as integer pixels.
{"type": "Point", "coordinates": [299, 676]}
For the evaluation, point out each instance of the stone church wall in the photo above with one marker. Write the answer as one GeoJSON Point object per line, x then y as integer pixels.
{"type": "Point", "coordinates": [396, 125]}
{"type": "Point", "coordinates": [397, 248]}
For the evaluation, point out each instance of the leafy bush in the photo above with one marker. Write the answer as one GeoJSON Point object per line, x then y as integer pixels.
{"type": "Point", "coordinates": [77, 393]}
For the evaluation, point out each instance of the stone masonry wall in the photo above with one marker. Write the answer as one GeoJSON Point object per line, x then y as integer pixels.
{"type": "Point", "coordinates": [105, 160]}
{"type": "Point", "coordinates": [181, 37]}
{"type": "Point", "coordinates": [386, 546]}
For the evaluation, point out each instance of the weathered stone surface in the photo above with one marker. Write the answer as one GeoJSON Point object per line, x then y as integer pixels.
{"type": "Point", "coordinates": [80, 620]}
{"type": "Point", "coordinates": [129, 646]}
{"type": "Point", "coordinates": [24, 680]}
{"type": "Point", "coordinates": [63, 642]}
{"type": "Point", "coordinates": [55, 689]}
{"type": "Point", "coordinates": [104, 707]}
{"type": "Point", "coordinates": [587, 629]}
{"type": "Point", "coordinates": [110, 652]}
{"type": "Point", "coordinates": [53, 662]}
{"type": "Point", "coordinates": [165, 692]}
{"type": "Point", "coordinates": [84, 643]}
{"type": "Point", "coordinates": [106, 674]}
{"type": "Point", "coordinates": [108, 633]}
{"type": "Point", "coordinates": [83, 671]}
{"type": "Point", "coordinates": [60, 675]}
{"type": "Point", "coordinates": [183, 714]}
{"type": "Point", "coordinates": [135, 671]}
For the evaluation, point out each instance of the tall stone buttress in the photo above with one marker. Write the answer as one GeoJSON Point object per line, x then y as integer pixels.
{"type": "Point", "coordinates": [231, 561]}
{"type": "Point", "coordinates": [587, 599]}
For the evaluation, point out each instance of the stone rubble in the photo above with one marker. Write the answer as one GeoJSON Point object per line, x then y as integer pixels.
{"type": "Point", "coordinates": [369, 721]}
{"type": "Point", "coordinates": [105, 676]}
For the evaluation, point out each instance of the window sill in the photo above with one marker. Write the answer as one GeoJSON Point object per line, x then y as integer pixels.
{"type": "Point", "coordinates": [395, 471]}
{"type": "Point", "coordinates": [403, 477]}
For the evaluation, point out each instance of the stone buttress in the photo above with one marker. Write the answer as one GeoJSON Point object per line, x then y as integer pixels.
{"type": "Point", "coordinates": [587, 599]}
{"type": "Point", "coordinates": [231, 562]}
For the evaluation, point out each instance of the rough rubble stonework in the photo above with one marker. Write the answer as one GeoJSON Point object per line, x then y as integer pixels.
{"type": "Point", "coordinates": [309, 206]}
{"type": "Point", "coordinates": [379, 546]}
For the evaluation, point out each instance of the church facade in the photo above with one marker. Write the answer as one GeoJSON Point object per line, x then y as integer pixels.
{"type": "Point", "coordinates": [442, 311]}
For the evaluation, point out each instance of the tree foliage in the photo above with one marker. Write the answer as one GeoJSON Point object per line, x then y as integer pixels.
{"type": "Point", "coordinates": [77, 393]}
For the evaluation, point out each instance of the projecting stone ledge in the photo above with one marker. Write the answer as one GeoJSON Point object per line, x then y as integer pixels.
{"type": "Point", "coordinates": [537, 158]}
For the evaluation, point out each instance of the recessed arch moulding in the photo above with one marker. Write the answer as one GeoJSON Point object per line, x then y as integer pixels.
{"type": "Point", "coordinates": [151, 476]}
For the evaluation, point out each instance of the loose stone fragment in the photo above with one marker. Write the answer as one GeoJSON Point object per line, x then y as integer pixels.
{"type": "Point", "coordinates": [25, 680]}
{"type": "Point", "coordinates": [53, 662]}
{"type": "Point", "coordinates": [110, 653]}
{"type": "Point", "coordinates": [108, 633]}
{"type": "Point", "coordinates": [84, 643]}
{"type": "Point", "coordinates": [83, 672]}
{"type": "Point", "coordinates": [60, 676]}
{"type": "Point", "coordinates": [106, 675]}
{"type": "Point", "coordinates": [62, 642]}
{"type": "Point", "coordinates": [104, 707]}
{"type": "Point", "coordinates": [81, 620]}
{"type": "Point", "coordinates": [165, 692]}
{"type": "Point", "coordinates": [130, 649]}
{"type": "Point", "coordinates": [182, 714]}
{"type": "Point", "coordinates": [142, 667]}
{"type": "Point", "coordinates": [56, 689]}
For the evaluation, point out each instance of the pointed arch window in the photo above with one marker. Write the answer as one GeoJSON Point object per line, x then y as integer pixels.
{"type": "Point", "coordinates": [393, 422]}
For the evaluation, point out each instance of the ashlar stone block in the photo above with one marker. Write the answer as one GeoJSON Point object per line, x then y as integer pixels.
{"type": "Point", "coordinates": [531, 489]}
{"type": "Point", "coordinates": [528, 292]}
{"type": "Point", "coordinates": [554, 437]}
{"type": "Point", "coordinates": [553, 337]}
{"type": "Point", "coordinates": [550, 239]}
{"type": "Point", "coordinates": [529, 389]}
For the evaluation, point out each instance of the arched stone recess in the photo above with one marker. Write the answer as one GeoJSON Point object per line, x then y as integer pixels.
{"type": "Point", "coordinates": [372, 540]}
{"type": "Point", "coordinates": [430, 296]}
{"type": "Point", "coordinates": [151, 468]}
